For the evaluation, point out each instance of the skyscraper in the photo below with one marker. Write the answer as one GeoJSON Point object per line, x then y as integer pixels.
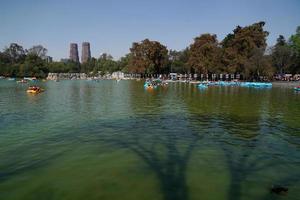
{"type": "Point", "coordinates": [74, 52]}
{"type": "Point", "coordinates": [86, 52]}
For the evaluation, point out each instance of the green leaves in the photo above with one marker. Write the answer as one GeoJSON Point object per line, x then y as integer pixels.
{"type": "Point", "coordinates": [204, 53]}
{"type": "Point", "coordinates": [242, 51]}
{"type": "Point", "coordinates": [147, 57]}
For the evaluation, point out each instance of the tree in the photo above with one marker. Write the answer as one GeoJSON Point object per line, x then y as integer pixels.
{"type": "Point", "coordinates": [72, 66]}
{"type": "Point", "coordinates": [4, 63]}
{"type": "Point", "coordinates": [106, 64]}
{"type": "Point", "coordinates": [57, 67]}
{"type": "Point", "coordinates": [178, 61]}
{"type": "Point", "coordinates": [295, 40]}
{"type": "Point", "coordinates": [281, 55]}
{"type": "Point", "coordinates": [147, 57]}
{"type": "Point", "coordinates": [204, 53]}
{"type": "Point", "coordinates": [38, 50]}
{"type": "Point", "coordinates": [106, 56]}
{"type": "Point", "coordinates": [33, 66]}
{"type": "Point", "coordinates": [294, 43]}
{"type": "Point", "coordinates": [15, 52]}
{"type": "Point", "coordinates": [88, 67]}
{"type": "Point", "coordinates": [259, 65]}
{"type": "Point", "coordinates": [123, 62]}
{"type": "Point", "coordinates": [240, 46]}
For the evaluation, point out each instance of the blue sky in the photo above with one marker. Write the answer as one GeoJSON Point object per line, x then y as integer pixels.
{"type": "Point", "coordinates": [112, 25]}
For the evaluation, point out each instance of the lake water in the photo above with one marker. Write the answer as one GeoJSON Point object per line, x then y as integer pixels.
{"type": "Point", "coordinates": [110, 141]}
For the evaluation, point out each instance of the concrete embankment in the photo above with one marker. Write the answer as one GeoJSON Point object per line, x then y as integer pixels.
{"type": "Point", "coordinates": [287, 84]}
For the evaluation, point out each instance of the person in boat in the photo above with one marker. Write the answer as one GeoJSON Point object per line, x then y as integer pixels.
{"type": "Point", "coordinates": [34, 88]}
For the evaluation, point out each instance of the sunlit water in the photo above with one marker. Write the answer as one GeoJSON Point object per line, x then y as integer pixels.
{"type": "Point", "coordinates": [113, 140]}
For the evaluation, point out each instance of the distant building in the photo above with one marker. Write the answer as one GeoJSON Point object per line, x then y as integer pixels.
{"type": "Point", "coordinates": [74, 52]}
{"type": "Point", "coordinates": [86, 52]}
{"type": "Point", "coordinates": [117, 75]}
{"type": "Point", "coordinates": [48, 59]}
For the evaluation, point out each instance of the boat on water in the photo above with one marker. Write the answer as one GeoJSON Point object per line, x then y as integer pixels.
{"type": "Point", "coordinates": [149, 85]}
{"type": "Point", "coordinates": [256, 84]}
{"type": "Point", "coordinates": [205, 84]}
{"type": "Point", "coordinates": [22, 81]}
{"type": "Point", "coordinates": [34, 90]}
{"type": "Point", "coordinates": [30, 78]}
{"type": "Point", "coordinates": [224, 83]}
{"type": "Point", "coordinates": [202, 86]}
{"type": "Point", "coordinates": [152, 84]}
{"type": "Point", "coordinates": [297, 88]}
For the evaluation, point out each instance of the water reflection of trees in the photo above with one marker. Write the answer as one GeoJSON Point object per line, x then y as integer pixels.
{"type": "Point", "coordinates": [248, 150]}
{"type": "Point", "coordinates": [243, 127]}
{"type": "Point", "coordinates": [163, 141]}
{"type": "Point", "coordinates": [166, 153]}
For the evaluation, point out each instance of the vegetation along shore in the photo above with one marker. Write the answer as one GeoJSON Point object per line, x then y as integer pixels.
{"type": "Point", "coordinates": [243, 52]}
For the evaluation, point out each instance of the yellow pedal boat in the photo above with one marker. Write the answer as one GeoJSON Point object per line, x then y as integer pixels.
{"type": "Point", "coordinates": [34, 90]}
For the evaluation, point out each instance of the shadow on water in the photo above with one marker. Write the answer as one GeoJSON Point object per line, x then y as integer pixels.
{"type": "Point", "coordinates": [164, 153]}
{"type": "Point", "coordinates": [246, 158]}
{"type": "Point", "coordinates": [165, 142]}
{"type": "Point", "coordinates": [238, 157]}
{"type": "Point", "coordinates": [33, 155]}
{"type": "Point", "coordinates": [15, 168]}
{"type": "Point", "coordinates": [252, 142]}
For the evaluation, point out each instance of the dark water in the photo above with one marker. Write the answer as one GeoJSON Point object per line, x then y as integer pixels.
{"type": "Point", "coordinates": [108, 140]}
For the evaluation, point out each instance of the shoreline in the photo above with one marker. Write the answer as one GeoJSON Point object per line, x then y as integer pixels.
{"type": "Point", "coordinates": [287, 84]}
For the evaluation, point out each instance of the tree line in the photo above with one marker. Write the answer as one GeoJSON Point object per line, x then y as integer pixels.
{"type": "Point", "coordinates": [244, 51]}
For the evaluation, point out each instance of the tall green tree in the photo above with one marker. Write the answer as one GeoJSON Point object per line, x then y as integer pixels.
{"type": "Point", "coordinates": [123, 63]}
{"type": "Point", "coordinates": [57, 67]}
{"type": "Point", "coordinates": [295, 40]}
{"type": "Point", "coordinates": [295, 45]}
{"type": "Point", "coordinates": [88, 67]}
{"type": "Point", "coordinates": [204, 54]}
{"type": "Point", "coordinates": [148, 57]}
{"type": "Point", "coordinates": [33, 66]}
{"type": "Point", "coordinates": [38, 50]}
{"type": "Point", "coordinates": [259, 65]}
{"type": "Point", "coordinates": [15, 52]}
{"type": "Point", "coordinates": [72, 66]}
{"type": "Point", "coordinates": [281, 55]}
{"type": "Point", "coordinates": [239, 46]}
{"type": "Point", "coordinates": [10, 59]}
{"type": "Point", "coordinates": [178, 61]}
{"type": "Point", "coordinates": [106, 64]}
{"type": "Point", "coordinates": [4, 63]}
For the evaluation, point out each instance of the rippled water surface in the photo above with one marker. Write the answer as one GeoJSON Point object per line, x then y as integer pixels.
{"type": "Point", "coordinates": [107, 140]}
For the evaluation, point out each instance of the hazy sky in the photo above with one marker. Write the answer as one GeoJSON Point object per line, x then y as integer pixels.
{"type": "Point", "coordinates": [112, 25]}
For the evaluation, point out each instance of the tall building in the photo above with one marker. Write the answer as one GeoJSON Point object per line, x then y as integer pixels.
{"type": "Point", "coordinates": [48, 59]}
{"type": "Point", "coordinates": [74, 52]}
{"type": "Point", "coordinates": [86, 52]}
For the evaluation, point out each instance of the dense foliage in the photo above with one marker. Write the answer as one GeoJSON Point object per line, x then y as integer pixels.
{"type": "Point", "coordinates": [147, 57]}
{"type": "Point", "coordinates": [204, 54]}
{"type": "Point", "coordinates": [244, 51]}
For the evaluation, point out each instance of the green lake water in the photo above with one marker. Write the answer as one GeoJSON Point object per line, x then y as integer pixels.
{"type": "Point", "coordinates": [113, 140]}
